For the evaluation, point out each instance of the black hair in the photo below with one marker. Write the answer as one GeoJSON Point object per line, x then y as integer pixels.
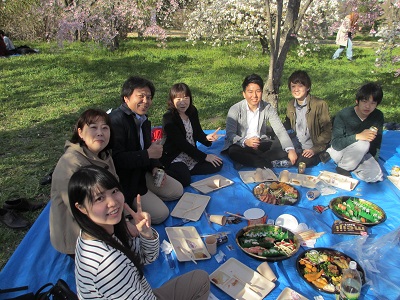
{"type": "Point", "coordinates": [180, 90]}
{"type": "Point", "coordinates": [82, 186]}
{"type": "Point", "coordinates": [133, 83]}
{"type": "Point", "coordinates": [90, 116]}
{"type": "Point", "coordinates": [300, 77]}
{"type": "Point", "coordinates": [368, 90]}
{"type": "Point", "coordinates": [253, 78]}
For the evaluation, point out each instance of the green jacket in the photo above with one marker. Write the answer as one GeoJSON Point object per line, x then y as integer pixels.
{"type": "Point", "coordinates": [318, 122]}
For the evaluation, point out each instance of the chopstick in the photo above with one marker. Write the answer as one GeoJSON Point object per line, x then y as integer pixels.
{"type": "Point", "coordinates": [190, 209]}
{"type": "Point", "coordinates": [247, 283]}
{"type": "Point", "coordinates": [235, 215]}
{"type": "Point", "coordinates": [185, 252]}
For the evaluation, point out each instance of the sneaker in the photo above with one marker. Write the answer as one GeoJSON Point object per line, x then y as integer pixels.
{"type": "Point", "coordinates": [343, 172]}
{"type": "Point", "coordinates": [284, 163]}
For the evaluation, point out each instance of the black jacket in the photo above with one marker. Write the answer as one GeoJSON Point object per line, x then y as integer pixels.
{"type": "Point", "coordinates": [176, 137]}
{"type": "Point", "coordinates": [131, 162]}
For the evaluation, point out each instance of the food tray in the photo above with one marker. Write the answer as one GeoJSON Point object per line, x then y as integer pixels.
{"type": "Point", "coordinates": [251, 176]}
{"type": "Point", "coordinates": [190, 206]}
{"type": "Point", "coordinates": [187, 243]}
{"type": "Point", "coordinates": [241, 282]}
{"type": "Point", "coordinates": [327, 258]}
{"type": "Point", "coordinates": [275, 192]}
{"type": "Point", "coordinates": [211, 184]}
{"type": "Point", "coordinates": [337, 180]}
{"type": "Point", "coordinates": [357, 210]}
{"type": "Point", "coordinates": [268, 242]}
{"type": "Point", "coordinates": [307, 181]}
{"type": "Point", "coordinates": [288, 294]}
{"type": "Point", "coordinates": [395, 180]}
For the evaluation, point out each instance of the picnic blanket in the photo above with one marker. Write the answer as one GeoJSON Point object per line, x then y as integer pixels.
{"type": "Point", "coordinates": [35, 262]}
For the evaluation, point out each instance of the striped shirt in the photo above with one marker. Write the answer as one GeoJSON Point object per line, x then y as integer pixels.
{"type": "Point", "coordinates": [102, 272]}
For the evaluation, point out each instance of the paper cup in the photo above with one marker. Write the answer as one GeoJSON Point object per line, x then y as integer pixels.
{"type": "Point", "coordinates": [218, 219]}
{"type": "Point", "coordinates": [284, 176]}
{"type": "Point", "coordinates": [211, 244]}
{"type": "Point", "coordinates": [265, 270]}
{"type": "Point", "coordinates": [255, 216]}
{"type": "Point", "coordinates": [313, 194]}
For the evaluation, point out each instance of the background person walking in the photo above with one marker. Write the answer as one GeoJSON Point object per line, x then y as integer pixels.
{"type": "Point", "coordinates": [344, 36]}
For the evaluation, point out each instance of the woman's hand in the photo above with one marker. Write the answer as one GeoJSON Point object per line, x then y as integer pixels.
{"type": "Point", "coordinates": [214, 136]}
{"type": "Point", "coordinates": [141, 220]}
{"type": "Point", "coordinates": [214, 160]}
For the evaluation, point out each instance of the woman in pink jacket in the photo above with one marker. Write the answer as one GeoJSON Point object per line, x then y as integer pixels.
{"type": "Point", "coordinates": [344, 36]}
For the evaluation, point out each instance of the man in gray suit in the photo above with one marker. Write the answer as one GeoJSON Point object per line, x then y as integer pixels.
{"type": "Point", "coordinates": [246, 141]}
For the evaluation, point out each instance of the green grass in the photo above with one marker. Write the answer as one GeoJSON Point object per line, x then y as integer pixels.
{"type": "Point", "coordinates": [42, 96]}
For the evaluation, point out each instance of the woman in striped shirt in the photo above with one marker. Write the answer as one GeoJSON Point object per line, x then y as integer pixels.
{"type": "Point", "coordinates": [110, 251]}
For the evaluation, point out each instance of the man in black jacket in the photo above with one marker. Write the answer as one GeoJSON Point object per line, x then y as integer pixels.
{"type": "Point", "coordinates": [135, 157]}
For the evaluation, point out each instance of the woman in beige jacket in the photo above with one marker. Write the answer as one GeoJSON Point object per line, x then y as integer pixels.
{"type": "Point", "coordinates": [344, 36]}
{"type": "Point", "coordinates": [88, 146]}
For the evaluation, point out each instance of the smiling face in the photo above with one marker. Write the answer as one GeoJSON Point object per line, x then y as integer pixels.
{"type": "Point", "coordinates": [365, 107]}
{"type": "Point", "coordinates": [106, 209]}
{"type": "Point", "coordinates": [253, 95]}
{"type": "Point", "coordinates": [181, 103]}
{"type": "Point", "coordinates": [95, 135]}
{"type": "Point", "coordinates": [299, 91]}
{"type": "Point", "coordinates": [140, 100]}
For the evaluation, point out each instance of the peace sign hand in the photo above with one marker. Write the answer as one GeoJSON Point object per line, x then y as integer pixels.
{"type": "Point", "coordinates": [141, 220]}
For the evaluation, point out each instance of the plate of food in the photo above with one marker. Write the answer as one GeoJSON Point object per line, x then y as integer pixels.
{"type": "Point", "coordinates": [357, 210]}
{"type": "Point", "coordinates": [322, 268]}
{"type": "Point", "coordinates": [268, 242]}
{"type": "Point", "coordinates": [275, 192]}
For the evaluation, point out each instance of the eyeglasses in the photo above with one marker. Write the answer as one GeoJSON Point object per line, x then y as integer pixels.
{"type": "Point", "coordinates": [143, 96]}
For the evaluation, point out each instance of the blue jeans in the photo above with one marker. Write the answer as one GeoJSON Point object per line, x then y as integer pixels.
{"type": "Point", "coordinates": [349, 51]}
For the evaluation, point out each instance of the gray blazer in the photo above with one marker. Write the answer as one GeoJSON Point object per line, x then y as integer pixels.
{"type": "Point", "coordinates": [236, 125]}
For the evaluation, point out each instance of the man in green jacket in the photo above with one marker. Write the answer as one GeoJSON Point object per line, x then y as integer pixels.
{"type": "Point", "coordinates": [308, 121]}
{"type": "Point", "coordinates": [357, 136]}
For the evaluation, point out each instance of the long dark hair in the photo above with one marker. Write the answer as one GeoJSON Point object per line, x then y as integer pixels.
{"type": "Point", "coordinates": [180, 90]}
{"type": "Point", "coordinates": [84, 183]}
{"type": "Point", "coordinates": [90, 116]}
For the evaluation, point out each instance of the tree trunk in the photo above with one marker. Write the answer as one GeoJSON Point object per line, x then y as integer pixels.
{"type": "Point", "coordinates": [280, 42]}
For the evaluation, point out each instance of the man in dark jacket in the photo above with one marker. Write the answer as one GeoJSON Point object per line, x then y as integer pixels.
{"type": "Point", "coordinates": [135, 157]}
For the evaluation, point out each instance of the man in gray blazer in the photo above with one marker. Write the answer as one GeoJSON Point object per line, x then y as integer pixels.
{"type": "Point", "coordinates": [246, 140]}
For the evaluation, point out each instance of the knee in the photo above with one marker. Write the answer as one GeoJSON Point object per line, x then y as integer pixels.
{"type": "Point", "coordinates": [160, 215]}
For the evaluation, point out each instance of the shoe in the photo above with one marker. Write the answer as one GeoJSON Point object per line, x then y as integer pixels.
{"type": "Point", "coordinates": [22, 204]}
{"type": "Point", "coordinates": [46, 179]}
{"type": "Point", "coordinates": [12, 220]}
{"type": "Point", "coordinates": [237, 165]}
{"type": "Point", "coordinates": [343, 172]}
{"type": "Point", "coordinates": [324, 157]}
{"type": "Point", "coordinates": [281, 163]}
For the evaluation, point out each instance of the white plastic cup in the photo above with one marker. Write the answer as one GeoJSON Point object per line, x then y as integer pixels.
{"type": "Point", "coordinates": [211, 244]}
{"type": "Point", "coordinates": [265, 270]}
{"type": "Point", "coordinates": [218, 219]}
{"type": "Point", "coordinates": [313, 194]}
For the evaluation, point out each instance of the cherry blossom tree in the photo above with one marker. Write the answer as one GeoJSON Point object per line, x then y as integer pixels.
{"type": "Point", "coordinates": [107, 21]}
{"type": "Point", "coordinates": [277, 24]}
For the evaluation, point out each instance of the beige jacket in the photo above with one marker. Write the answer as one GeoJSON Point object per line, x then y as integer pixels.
{"type": "Point", "coordinates": [63, 228]}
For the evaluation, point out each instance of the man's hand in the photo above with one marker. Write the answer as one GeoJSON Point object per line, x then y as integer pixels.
{"type": "Point", "coordinates": [253, 142]}
{"type": "Point", "coordinates": [308, 153]}
{"type": "Point", "coordinates": [292, 155]}
{"type": "Point", "coordinates": [366, 135]}
{"type": "Point", "coordinates": [155, 150]}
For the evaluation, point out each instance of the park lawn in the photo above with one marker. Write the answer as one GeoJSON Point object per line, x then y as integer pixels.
{"type": "Point", "coordinates": [43, 94]}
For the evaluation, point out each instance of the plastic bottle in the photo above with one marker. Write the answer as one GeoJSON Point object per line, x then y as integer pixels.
{"type": "Point", "coordinates": [350, 286]}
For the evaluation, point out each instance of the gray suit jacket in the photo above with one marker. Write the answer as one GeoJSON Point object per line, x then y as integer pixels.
{"type": "Point", "coordinates": [236, 125]}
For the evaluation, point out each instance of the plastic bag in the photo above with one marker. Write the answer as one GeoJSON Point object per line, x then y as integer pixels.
{"type": "Point", "coordinates": [380, 259]}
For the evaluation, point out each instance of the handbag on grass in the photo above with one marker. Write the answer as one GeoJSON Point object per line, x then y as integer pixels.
{"type": "Point", "coordinates": [58, 291]}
